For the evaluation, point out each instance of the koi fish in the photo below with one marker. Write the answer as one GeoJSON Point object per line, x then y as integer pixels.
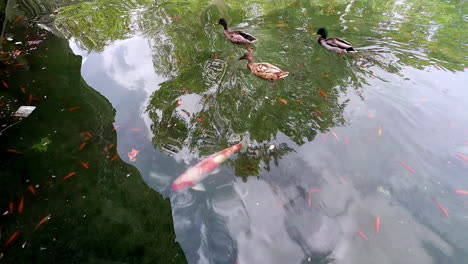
{"type": "Point", "coordinates": [281, 100]}
{"type": "Point", "coordinates": [115, 157]}
{"type": "Point", "coordinates": [85, 165]}
{"type": "Point", "coordinates": [309, 199]}
{"type": "Point", "coordinates": [179, 102]}
{"type": "Point", "coordinates": [463, 157]}
{"type": "Point", "coordinates": [199, 119]}
{"type": "Point", "coordinates": [442, 209]}
{"type": "Point", "coordinates": [45, 219]}
{"type": "Point", "coordinates": [462, 192]}
{"type": "Point", "coordinates": [132, 154]}
{"type": "Point", "coordinates": [87, 133]}
{"type": "Point", "coordinates": [29, 99]}
{"type": "Point", "coordinates": [194, 175]}
{"type": "Point", "coordinates": [408, 168]}
{"type": "Point", "coordinates": [323, 138]}
{"type": "Point", "coordinates": [346, 140]}
{"type": "Point", "coordinates": [299, 102]}
{"type": "Point", "coordinates": [68, 176]}
{"type": "Point", "coordinates": [21, 205]}
{"type": "Point", "coordinates": [11, 205]}
{"type": "Point", "coordinates": [5, 84]}
{"type": "Point", "coordinates": [377, 225]}
{"type": "Point", "coordinates": [18, 19]}
{"type": "Point", "coordinates": [83, 145]}
{"type": "Point", "coordinates": [136, 129]}
{"type": "Point", "coordinates": [74, 108]}
{"type": "Point", "coordinates": [109, 147]}
{"type": "Point", "coordinates": [336, 137]}
{"type": "Point", "coordinates": [31, 190]}
{"type": "Point", "coordinates": [23, 90]}
{"type": "Point", "coordinates": [18, 64]}
{"type": "Point", "coordinates": [314, 190]}
{"type": "Point", "coordinates": [322, 93]}
{"type": "Point", "coordinates": [317, 112]}
{"type": "Point", "coordinates": [115, 128]}
{"type": "Point", "coordinates": [361, 234]}
{"type": "Point", "coordinates": [13, 237]}
{"type": "Point", "coordinates": [14, 151]}
{"type": "Point", "coordinates": [379, 132]}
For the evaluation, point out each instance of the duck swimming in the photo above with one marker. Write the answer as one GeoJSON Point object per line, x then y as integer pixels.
{"type": "Point", "coordinates": [264, 70]}
{"type": "Point", "coordinates": [237, 37]}
{"type": "Point", "coordinates": [337, 45]}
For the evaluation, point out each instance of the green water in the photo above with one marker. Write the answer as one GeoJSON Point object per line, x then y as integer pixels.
{"type": "Point", "coordinates": [400, 101]}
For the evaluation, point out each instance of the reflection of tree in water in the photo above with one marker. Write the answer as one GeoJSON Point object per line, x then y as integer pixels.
{"type": "Point", "coordinates": [221, 100]}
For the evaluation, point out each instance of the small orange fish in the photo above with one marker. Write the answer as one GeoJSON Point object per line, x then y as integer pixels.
{"type": "Point", "coordinates": [85, 165]}
{"type": "Point", "coordinates": [136, 129]}
{"type": "Point", "coordinates": [323, 138]}
{"type": "Point", "coordinates": [346, 140]}
{"type": "Point", "coordinates": [361, 234]}
{"type": "Point", "coordinates": [317, 112]}
{"type": "Point", "coordinates": [322, 93]}
{"type": "Point", "coordinates": [14, 151]}
{"type": "Point", "coordinates": [299, 102]}
{"type": "Point", "coordinates": [18, 19]}
{"type": "Point", "coordinates": [29, 99]}
{"type": "Point", "coordinates": [461, 156]}
{"type": "Point", "coordinates": [68, 176]}
{"type": "Point", "coordinates": [442, 209]}
{"type": "Point", "coordinates": [11, 205]}
{"type": "Point", "coordinates": [83, 145]}
{"type": "Point", "coordinates": [462, 192]}
{"type": "Point", "coordinates": [18, 64]}
{"type": "Point", "coordinates": [309, 199]}
{"type": "Point", "coordinates": [13, 237]}
{"type": "Point", "coordinates": [115, 157]}
{"type": "Point", "coordinates": [281, 100]}
{"type": "Point", "coordinates": [314, 190]}
{"type": "Point", "coordinates": [336, 137]}
{"type": "Point", "coordinates": [87, 133]}
{"type": "Point", "coordinates": [407, 167]}
{"type": "Point", "coordinates": [132, 154]}
{"type": "Point", "coordinates": [377, 225]}
{"type": "Point", "coordinates": [199, 119]}
{"type": "Point", "coordinates": [109, 147]}
{"type": "Point", "coordinates": [23, 90]}
{"type": "Point", "coordinates": [31, 190]}
{"type": "Point", "coordinates": [45, 219]}
{"type": "Point", "coordinates": [5, 84]}
{"type": "Point", "coordinates": [21, 205]}
{"type": "Point", "coordinates": [74, 108]}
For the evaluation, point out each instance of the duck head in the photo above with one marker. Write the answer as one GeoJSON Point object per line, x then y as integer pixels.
{"type": "Point", "coordinates": [323, 32]}
{"type": "Point", "coordinates": [247, 56]}
{"type": "Point", "coordinates": [223, 22]}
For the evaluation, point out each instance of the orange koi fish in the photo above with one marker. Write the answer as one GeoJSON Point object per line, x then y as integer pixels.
{"type": "Point", "coordinates": [323, 138]}
{"type": "Point", "coordinates": [83, 145]}
{"type": "Point", "coordinates": [377, 225]}
{"type": "Point", "coordinates": [87, 133]}
{"type": "Point", "coordinates": [442, 209]}
{"type": "Point", "coordinates": [68, 176]}
{"type": "Point", "coordinates": [336, 137]}
{"type": "Point", "coordinates": [361, 234]}
{"type": "Point", "coordinates": [109, 147]}
{"type": "Point", "coordinates": [132, 154]}
{"type": "Point", "coordinates": [45, 219]}
{"type": "Point", "coordinates": [5, 84]}
{"type": "Point", "coordinates": [13, 237]}
{"type": "Point", "coordinates": [407, 167]}
{"type": "Point", "coordinates": [115, 157]}
{"type": "Point", "coordinates": [136, 129]}
{"type": "Point", "coordinates": [21, 205]}
{"type": "Point", "coordinates": [317, 112]}
{"type": "Point", "coordinates": [85, 165]}
{"type": "Point", "coordinates": [199, 119]}
{"type": "Point", "coordinates": [322, 93]}
{"type": "Point", "coordinates": [31, 190]}
{"type": "Point", "coordinates": [462, 192]}
{"type": "Point", "coordinates": [18, 64]}
{"type": "Point", "coordinates": [314, 190]}
{"type": "Point", "coordinates": [463, 157]}
{"type": "Point", "coordinates": [74, 108]}
{"type": "Point", "coordinates": [18, 19]}
{"type": "Point", "coordinates": [11, 205]}
{"type": "Point", "coordinates": [299, 102]}
{"type": "Point", "coordinates": [194, 175]}
{"type": "Point", "coordinates": [14, 151]}
{"type": "Point", "coordinates": [29, 99]}
{"type": "Point", "coordinates": [281, 100]}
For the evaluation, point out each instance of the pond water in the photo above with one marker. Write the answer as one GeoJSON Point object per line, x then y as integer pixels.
{"type": "Point", "coordinates": [360, 158]}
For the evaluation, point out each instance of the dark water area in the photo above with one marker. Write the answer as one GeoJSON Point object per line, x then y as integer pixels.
{"type": "Point", "coordinates": [360, 158]}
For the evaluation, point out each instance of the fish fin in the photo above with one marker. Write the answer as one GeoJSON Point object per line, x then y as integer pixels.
{"type": "Point", "coordinates": [245, 142]}
{"type": "Point", "coordinates": [199, 187]}
{"type": "Point", "coordinates": [217, 170]}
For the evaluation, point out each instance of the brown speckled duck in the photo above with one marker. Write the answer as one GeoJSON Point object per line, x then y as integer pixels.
{"type": "Point", "coordinates": [237, 37]}
{"type": "Point", "coordinates": [264, 70]}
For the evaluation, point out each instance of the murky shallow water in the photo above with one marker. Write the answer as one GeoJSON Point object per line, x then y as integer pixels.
{"type": "Point", "coordinates": [382, 145]}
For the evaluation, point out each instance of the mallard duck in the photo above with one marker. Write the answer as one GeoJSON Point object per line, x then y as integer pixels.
{"type": "Point", "coordinates": [237, 37]}
{"type": "Point", "coordinates": [264, 70]}
{"type": "Point", "coordinates": [337, 45]}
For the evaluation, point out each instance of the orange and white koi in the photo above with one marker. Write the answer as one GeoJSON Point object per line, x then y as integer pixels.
{"type": "Point", "coordinates": [461, 156]}
{"type": "Point", "coordinates": [45, 219]}
{"type": "Point", "coordinates": [136, 129]}
{"type": "Point", "coordinates": [69, 175]}
{"type": "Point", "coordinates": [132, 155]}
{"type": "Point", "coordinates": [281, 100]}
{"type": "Point", "coordinates": [462, 192]}
{"type": "Point", "coordinates": [13, 237]}
{"type": "Point", "coordinates": [194, 175]}
{"type": "Point", "coordinates": [31, 190]}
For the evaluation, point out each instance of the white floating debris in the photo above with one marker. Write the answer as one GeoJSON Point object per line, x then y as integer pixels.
{"type": "Point", "coordinates": [24, 111]}
{"type": "Point", "coordinates": [24, 244]}
{"type": "Point", "coordinates": [272, 147]}
{"type": "Point", "coordinates": [6, 212]}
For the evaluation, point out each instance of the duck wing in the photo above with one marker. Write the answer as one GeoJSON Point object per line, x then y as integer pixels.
{"type": "Point", "coordinates": [340, 43]}
{"type": "Point", "coordinates": [267, 68]}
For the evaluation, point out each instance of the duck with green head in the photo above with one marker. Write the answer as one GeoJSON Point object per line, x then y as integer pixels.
{"type": "Point", "coordinates": [237, 37]}
{"type": "Point", "coordinates": [337, 45]}
{"type": "Point", "coordinates": [264, 70]}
